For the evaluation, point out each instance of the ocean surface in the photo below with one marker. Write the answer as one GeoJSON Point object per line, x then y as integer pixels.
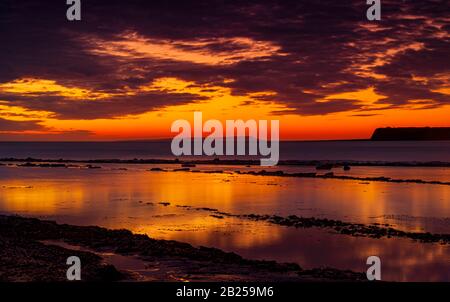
{"type": "Point", "coordinates": [151, 202]}
{"type": "Point", "coordinates": [307, 150]}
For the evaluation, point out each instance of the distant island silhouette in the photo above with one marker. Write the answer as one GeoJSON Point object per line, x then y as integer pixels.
{"type": "Point", "coordinates": [411, 133]}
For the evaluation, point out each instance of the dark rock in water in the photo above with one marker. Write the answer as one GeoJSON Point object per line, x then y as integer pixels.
{"type": "Point", "coordinates": [381, 178]}
{"type": "Point", "coordinates": [312, 174]}
{"type": "Point", "coordinates": [276, 173]}
{"type": "Point", "coordinates": [216, 216]}
{"type": "Point", "coordinates": [329, 174]}
{"type": "Point", "coordinates": [347, 228]}
{"type": "Point", "coordinates": [347, 168]}
{"type": "Point", "coordinates": [93, 167]}
{"type": "Point", "coordinates": [156, 169]}
{"type": "Point", "coordinates": [207, 209]}
{"type": "Point", "coordinates": [181, 169]}
{"type": "Point", "coordinates": [324, 167]}
{"type": "Point", "coordinates": [48, 165]}
{"type": "Point", "coordinates": [188, 165]}
{"type": "Point", "coordinates": [43, 165]}
{"type": "Point", "coordinates": [164, 203]}
{"type": "Point", "coordinates": [27, 164]}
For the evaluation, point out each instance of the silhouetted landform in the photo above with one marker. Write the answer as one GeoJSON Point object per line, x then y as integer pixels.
{"type": "Point", "coordinates": [24, 257]}
{"type": "Point", "coordinates": [346, 228]}
{"type": "Point", "coordinates": [411, 134]}
{"type": "Point", "coordinates": [65, 163]}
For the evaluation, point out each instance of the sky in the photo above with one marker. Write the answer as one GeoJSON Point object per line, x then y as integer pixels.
{"type": "Point", "coordinates": [129, 69]}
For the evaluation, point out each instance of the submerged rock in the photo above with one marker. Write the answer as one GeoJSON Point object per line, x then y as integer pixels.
{"type": "Point", "coordinates": [324, 167]}
{"type": "Point", "coordinates": [157, 169]}
{"type": "Point", "coordinates": [93, 167]}
{"type": "Point", "coordinates": [188, 165]}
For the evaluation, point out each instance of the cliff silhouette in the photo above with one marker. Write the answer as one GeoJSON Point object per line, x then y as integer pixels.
{"type": "Point", "coordinates": [411, 133]}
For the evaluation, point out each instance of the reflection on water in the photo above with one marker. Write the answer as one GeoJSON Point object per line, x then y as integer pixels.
{"type": "Point", "coordinates": [130, 199]}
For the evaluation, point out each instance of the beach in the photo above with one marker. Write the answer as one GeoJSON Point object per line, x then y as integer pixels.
{"type": "Point", "coordinates": [36, 250]}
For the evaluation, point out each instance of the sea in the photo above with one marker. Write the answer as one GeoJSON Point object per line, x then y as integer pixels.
{"type": "Point", "coordinates": [162, 204]}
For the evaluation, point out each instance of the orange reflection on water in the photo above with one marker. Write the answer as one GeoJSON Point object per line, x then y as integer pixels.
{"type": "Point", "coordinates": [131, 199]}
{"type": "Point", "coordinates": [36, 198]}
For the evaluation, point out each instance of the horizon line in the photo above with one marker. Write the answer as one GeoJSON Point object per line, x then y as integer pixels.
{"type": "Point", "coordinates": [165, 139]}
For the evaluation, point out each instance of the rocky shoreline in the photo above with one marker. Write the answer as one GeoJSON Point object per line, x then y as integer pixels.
{"type": "Point", "coordinates": [344, 177]}
{"type": "Point", "coordinates": [375, 230]}
{"type": "Point", "coordinates": [227, 162]}
{"type": "Point", "coordinates": [186, 167]}
{"type": "Point", "coordinates": [24, 256]}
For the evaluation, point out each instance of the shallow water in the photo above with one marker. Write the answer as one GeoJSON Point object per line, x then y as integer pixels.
{"type": "Point", "coordinates": [130, 199]}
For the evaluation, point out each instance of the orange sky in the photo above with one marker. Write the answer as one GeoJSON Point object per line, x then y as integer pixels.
{"type": "Point", "coordinates": [321, 76]}
{"type": "Point", "coordinates": [221, 105]}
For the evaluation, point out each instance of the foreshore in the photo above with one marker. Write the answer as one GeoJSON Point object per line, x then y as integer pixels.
{"type": "Point", "coordinates": [27, 254]}
{"type": "Point", "coordinates": [185, 166]}
{"type": "Point", "coordinates": [341, 227]}
{"type": "Point", "coordinates": [219, 161]}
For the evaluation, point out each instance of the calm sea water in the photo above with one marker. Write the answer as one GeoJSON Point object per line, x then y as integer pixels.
{"type": "Point", "coordinates": [128, 196]}
{"type": "Point", "coordinates": [319, 150]}
{"type": "Point", "coordinates": [117, 198]}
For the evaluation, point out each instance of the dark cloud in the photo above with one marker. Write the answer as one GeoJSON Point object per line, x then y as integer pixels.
{"type": "Point", "coordinates": [112, 107]}
{"type": "Point", "coordinates": [325, 47]}
{"type": "Point", "coordinates": [9, 125]}
{"type": "Point", "coordinates": [75, 135]}
{"type": "Point", "coordinates": [327, 107]}
{"type": "Point", "coordinates": [33, 130]}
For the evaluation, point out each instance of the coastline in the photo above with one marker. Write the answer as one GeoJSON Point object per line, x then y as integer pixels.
{"type": "Point", "coordinates": [230, 162]}
{"type": "Point", "coordinates": [185, 166]}
{"type": "Point", "coordinates": [28, 242]}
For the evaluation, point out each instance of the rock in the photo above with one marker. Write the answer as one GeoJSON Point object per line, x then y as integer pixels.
{"type": "Point", "coordinates": [188, 165]}
{"type": "Point", "coordinates": [93, 167]}
{"type": "Point", "coordinates": [27, 164]}
{"type": "Point", "coordinates": [156, 169]}
{"type": "Point", "coordinates": [324, 167]}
